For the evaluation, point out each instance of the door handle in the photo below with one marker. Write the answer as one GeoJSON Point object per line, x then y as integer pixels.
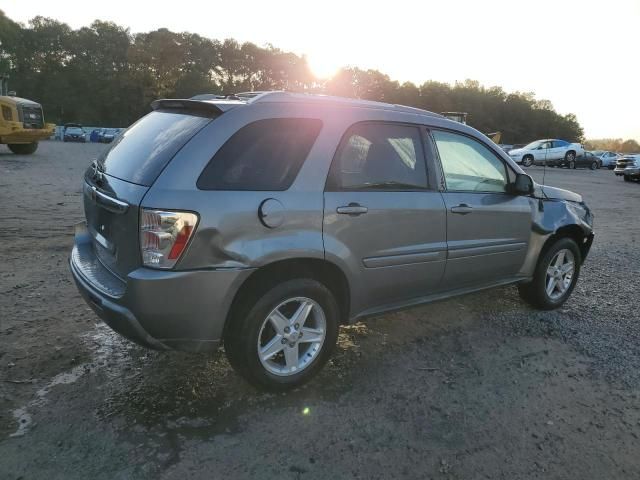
{"type": "Point", "coordinates": [462, 209]}
{"type": "Point", "coordinates": [353, 209]}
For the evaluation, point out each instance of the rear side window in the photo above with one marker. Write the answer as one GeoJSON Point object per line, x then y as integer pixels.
{"type": "Point", "coordinates": [264, 155]}
{"type": "Point", "coordinates": [140, 153]}
{"type": "Point", "coordinates": [379, 156]}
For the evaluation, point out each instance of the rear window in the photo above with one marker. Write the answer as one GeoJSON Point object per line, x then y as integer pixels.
{"type": "Point", "coordinates": [264, 155]}
{"type": "Point", "coordinates": [140, 153]}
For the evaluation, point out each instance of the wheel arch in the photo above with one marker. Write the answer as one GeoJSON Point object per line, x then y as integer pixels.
{"type": "Point", "coordinates": [574, 232]}
{"type": "Point", "coordinates": [324, 271]}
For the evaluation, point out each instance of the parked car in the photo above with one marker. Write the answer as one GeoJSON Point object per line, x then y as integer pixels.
{"type": "Point", "coordinates": [629, 167]}
{"type": "Point", "coordinates": [73, 132]}
{"type": "Point", "coordinates": [266, 222]}
{"type": "Point", "coordinates": [586, 160]}
{"type": "Point", "coordinates": [536, 153]}
{"type": "Point", "coordinates": [106, 135]}
{"type": "Point", "coordinates": [608, 159]}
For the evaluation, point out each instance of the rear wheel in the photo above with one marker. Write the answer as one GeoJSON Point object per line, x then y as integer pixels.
{"type": "Point", "coordinates": [627, 178]}
{"type": "Point", "coordinates": [23, 148]}
{"type": "Point", "coordinates": [570, 156]}
{"type": "Point", "coordinates": [282, 338]}
{"type": "Point", "coordinates": [527, 161]}
{"type": "Point", "coordinates": [555, 276]}
{"type": "Point", "coordinates": [594, 166]}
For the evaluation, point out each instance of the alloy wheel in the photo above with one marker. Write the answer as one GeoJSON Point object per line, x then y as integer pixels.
{"type": "Point", "coordinates": [560, 274]}
{"type": "Point", "coordinates": [291, 336]}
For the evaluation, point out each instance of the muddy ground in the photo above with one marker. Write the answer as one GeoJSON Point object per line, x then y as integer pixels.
{"type": "Point", "coordinates": [476, 387]}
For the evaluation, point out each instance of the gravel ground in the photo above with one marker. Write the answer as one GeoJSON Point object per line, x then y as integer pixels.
{"type": "Point", "coordinates": [475, 387]}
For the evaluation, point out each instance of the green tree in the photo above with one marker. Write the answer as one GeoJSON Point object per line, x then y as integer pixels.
{"type": "Point", "coordinates": [103, 75]}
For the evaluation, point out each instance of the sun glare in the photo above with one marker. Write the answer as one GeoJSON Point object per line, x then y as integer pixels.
{"type": "Point", "coordinates": [323, 65]}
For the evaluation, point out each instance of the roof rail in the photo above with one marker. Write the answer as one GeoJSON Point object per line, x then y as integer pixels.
{"type": "Point", "coordinates": [290, 97]}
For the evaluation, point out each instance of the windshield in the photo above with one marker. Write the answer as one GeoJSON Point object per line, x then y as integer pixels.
{"type": "Point", "coordinates": [74, 130]}
{"type": "Point", "coordinates": [533, 145]}
{"type": "Point", "coordinates": [598, 152]}
{"type": "Point", "coordinates": [140, 153]}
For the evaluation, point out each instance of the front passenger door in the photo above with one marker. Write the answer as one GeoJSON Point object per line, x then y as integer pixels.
{"type": "Point", "coordinates": [488, 229]}
{"type": "Point", "coordinates": [545, 154]}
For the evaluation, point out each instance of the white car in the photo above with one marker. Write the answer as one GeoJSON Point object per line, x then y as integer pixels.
{"type": "Point", "coordinates": [608, 159]}
{"type": "Point", "coordinates": [541, 151]}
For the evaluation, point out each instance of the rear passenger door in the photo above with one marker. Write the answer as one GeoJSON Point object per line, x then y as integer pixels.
{"type": "Point", "coordinates": [488, 229]}
{"type": "Point", "coordinates": [382, 218]}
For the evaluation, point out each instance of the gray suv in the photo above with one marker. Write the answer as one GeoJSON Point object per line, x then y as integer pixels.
{"type": "Point", "coordinates": [265, 221]}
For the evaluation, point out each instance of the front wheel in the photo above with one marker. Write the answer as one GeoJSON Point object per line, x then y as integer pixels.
{"type": "Point", "coordinates": [627, 178]}
{"type": "Point", "coordinates": [23, 148]}
{"type": "Point", "coordinates": [555, 276]}
{"type": "Point", "coordinates": [282, 338]}
{"type": "Point", "coordinates": [572, 164]}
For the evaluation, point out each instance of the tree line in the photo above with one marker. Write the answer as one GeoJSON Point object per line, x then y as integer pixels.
{"type": "Point", "coordinates": [613, 145]}
{"type": "Point", "coordinates": [104, 75]}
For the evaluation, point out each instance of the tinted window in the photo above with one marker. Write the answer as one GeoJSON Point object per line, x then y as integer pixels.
{"type": "Point", "coordinates": [560, 143]}
{"type": "Point", "coordinates": [264, 155]}
{"type": "Point", "coordinates": [145, 148]}
{"type": "Point", "coordinates": [468, 165]}
{"type": "Point", "coordinates": [379, 156]}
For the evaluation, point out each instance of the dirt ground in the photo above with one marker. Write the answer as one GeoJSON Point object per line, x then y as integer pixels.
{"type": "Point", "coordinates": [476, 387]}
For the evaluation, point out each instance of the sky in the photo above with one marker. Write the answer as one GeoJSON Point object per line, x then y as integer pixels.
{"type": "Point", "coordinates": [583, 56]}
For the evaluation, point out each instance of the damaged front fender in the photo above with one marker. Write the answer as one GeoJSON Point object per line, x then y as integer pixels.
{"type": "Point", "coordinates": [557, 213]}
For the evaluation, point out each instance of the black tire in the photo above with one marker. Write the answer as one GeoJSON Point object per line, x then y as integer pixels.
{"type": "Point", "coordinates": [243, 332]}
{"type": "Point", "coordinates": [535, 292]}
{"type": "Point", "coordinates": [527, 161]}
{"type": "Point", "coordinates": [572, 164]}
{"type": "Point", "coordinates": [627, 178]}
{"type": "Point", "coordinates": [23, 148]}
{"type": "Point", "coordinates": [570, 156]}
{"type": "Point", "coordinates": [594, 166]}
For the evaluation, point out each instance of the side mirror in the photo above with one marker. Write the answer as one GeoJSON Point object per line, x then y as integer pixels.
{"type": "Point", "coordinates": [523, 185]}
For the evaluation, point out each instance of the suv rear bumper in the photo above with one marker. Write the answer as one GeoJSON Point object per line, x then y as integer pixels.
{"type": "Point", "coordinates": [155, 308]}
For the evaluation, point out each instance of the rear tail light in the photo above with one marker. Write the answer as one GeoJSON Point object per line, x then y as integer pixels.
{"type": "Point", "coordinates": [164, 236]}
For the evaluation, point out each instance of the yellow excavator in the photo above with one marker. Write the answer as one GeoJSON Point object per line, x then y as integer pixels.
{"type": "Point", "coordinates": [21, 122]}
{"type": "Point", "coordinates": [462, 118]}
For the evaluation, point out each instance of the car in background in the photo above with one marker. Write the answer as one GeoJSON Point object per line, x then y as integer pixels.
{"type": "Point", "coordinates": [106, 135]}
{"type": "Point", "coordinates": [628, 167]}
{"type": "Point", "coordinates": [73, 132]}
{"type": "Point", "coordinates": [607, 158]}
{"type": "Point", "coordinates": [586, 160]}
{"type": "Point", "coordinates": [541, 151]}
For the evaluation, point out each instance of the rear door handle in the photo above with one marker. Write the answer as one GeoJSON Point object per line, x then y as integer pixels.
{"type": "Point", "coordinates": [462, 209]}
{"type": "Point", "coordinates": [352, 209]}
